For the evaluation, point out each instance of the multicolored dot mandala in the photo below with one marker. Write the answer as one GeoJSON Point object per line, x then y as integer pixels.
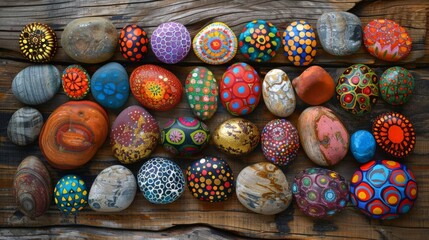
{"type": "Point", "coordinates": [133, 42]}
{"type": "Point", "coordinates": [38, 42]}
{"type": "Point", "coordinates": [299, 42]}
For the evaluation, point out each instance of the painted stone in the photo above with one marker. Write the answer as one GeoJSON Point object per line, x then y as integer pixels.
{"type": "Point", "coordinates": [134, 135]}
{"type": "Point", "coordinates": [202, 92]}
{"type": "Point", "coordinates": [70, 194]}
{"type": "Point", "coordinates": [161, 180]}
{"type": "Point", "coordinates": [113, 190]}
{"type": "Point", "coordinates": [320, 192]}
{"type": "Point", "coordinates": [280, 142]}
{"type": "Point", "coordinates": [133, 42]}
{"type": "Point", "coordinates": [110, 86]}
{"type": "Point", "coordinates": [170, 42]}
{"type": "Point", "coordinates": [236, 136]}
{"type": "Point", "coordinates": [73, 133]}
{"type": "Point", "coordinates": [383, 189]}
{"type": "Point", "coordinates": [340, 33]}
{"type": "Point", "coordinates": [32, 188]}
{"type": "Point", "coordinates": [396, 85]}
{"type": "Point", "coordinates": [24, 126]}
{"type": "Point", "coordinates": [357, 89]}
{"type": "Point", "coordinates": [387, 40]}
{"type": "Point", "coordinates": [155, 87]}
{"type": "Point", "coordinates": [394, 133]}
{"type": "Point", "coordinates": [38, 42]}
{"type": "Point", "coordinates": [76, 82]}
{"type": "Point", "coordinates": [240, 89]}
{"type": "Point", "coordinates": [36, 84]}
{"type": "Point", "coordinates": [300, 43]}
{"type": "Point", "coordinates": [90, 40]}
{"type": "Point", "coordinates": [278, 93]}
{"type": "Point", "coordinates": [323, 136]}
{"type": "Point", "coordinates": [362, 146]}
{"type": "Point", "coordinates": [314, 86]}
{"type": "Point", "coordinates": [263, 188]}
{"type": "Point", "coordinates": [215, 44]}
{"type": "Point", "coordinates": [185, 136]}
{"type": "Point", "coordinates": [259, 40]}
{"type": "Point", "coordinates": [210, 179]}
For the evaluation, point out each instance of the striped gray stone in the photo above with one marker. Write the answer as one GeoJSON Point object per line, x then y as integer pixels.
{"type": "Point", "coordinates": [24, 126]}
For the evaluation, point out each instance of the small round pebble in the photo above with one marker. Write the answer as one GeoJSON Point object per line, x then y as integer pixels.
{"type": "Point", "coordinates": [38, 42]}
{"type": "Point", "coordinates": [24, 126]}
{"type": "Point", "coordinates": [70, 194]}
{"type": "Point", "coordinates": [161, 180]}
{"type": "Point", "coordinates": [170, 42]}
{"type": "Point", "coordinates": [76, 82]}
{"type": "Point", "coordinates": [299, 42]}
{"type": "Point", "coordinates": [396, 85]}
{"type": "Point", "coordinates": [362, 146]}
{"type": "Point", "coordinates": [133, 42]}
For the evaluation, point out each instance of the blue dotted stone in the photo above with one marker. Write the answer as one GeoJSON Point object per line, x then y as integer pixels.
{"type": "Point", "coordinates": [362, 146]}
{"type": "Point", "coordinates": [110, 85]}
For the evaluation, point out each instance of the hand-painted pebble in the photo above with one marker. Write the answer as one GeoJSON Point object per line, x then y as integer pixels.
{"type": "Point", "coordinates": [383, 189]}
{"type": "Point", "coordinates": [396, 85]}
{"type": "Point", "coordinates": [170, 42]}
{"type": "Point", "coordinates": [240, 89]}
{"type": "Point", "coordinates": [90, 40]}
{"type": "Point", "coordinates": [73, 133]}
{"type": "Point", "coordinates": [185, 136]}
{"type": "Point", "coordinates": [340, 33]}
{"type": "Point", "coordinates": [70, 194]}
{"type": "Point", "coordinates": [210, 179]}
{"type": "Point", "coordinates": [32, 188]}
{"type": "Point", "coordinates": [161, 180]}
{"type": "Point", "coordinates": [202, 92]}
{"type": "Point", "coordinates": [133, 42]}
{"type": "Point", "coordinates": [76, 82]}
{"type": "Point", "coordinates": [314, 86]}
{"type": "Point", "coordinates": [36, 84]}
{"type": "Point", "coordinates": [24, 126]}
{"type": "Point", "coordinates": [263, 188]}
{"type": "Point", "coordinates": [155, 87]}
{"type": "Point", "coordinates": [110, 86]}
{"type": "Point", "coordinates": [278, 93]}
{"type": "Point", "coordinates": [357, 89]}
{"type": "Point", "coordinates": [320, 192]}
{"type": "Point", "coordinates": [215, 44]}
{"type": "Point", "coordinates": [113, 190]}
{"type": "Point", "coordinates": [280, 142]}
{"type": "Point", "coordinates": [259, 40]}
{"type": "Point", "coordinates": [134, 135]}
{"type": "Point", "coordinates": [38, 42]}
{"type": "Point", "coordinates": [236, 136]}
{"type": "Point", "coordinates": [387, 40]}
{"type": "Point", "coordinates": [362, 146]}
{"type": "Point", "coordinates": [323, 136]}
{"type": "Point", "coordinates": [299, 42]}
{"type": "Point", "coordinates": [394, 133]}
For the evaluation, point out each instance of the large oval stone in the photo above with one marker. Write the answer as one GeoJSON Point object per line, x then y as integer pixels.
{"type": "Point", "coordinates": [323, 136]}
{"type": "Point", "coordinates": [73, 133]}
{"type": "Point", "coordinates": [396, 85]}
{"type": "Point", "coordinates": [24, 126]}
{"type": "Point", "coordinates": [36, 84]}
{"type": "Point", "coordinates": [110, 86]}
{"type": "Point", "coordinates": [340, 33]}
{"type": "Point", "coordinates": [113, 190]}
{"type": "Point", "coordinates": [278, 93]}
{"type": "Point", "coordinates": [134, 135]}
{"type": "Point", "coordinates": [90, 40]}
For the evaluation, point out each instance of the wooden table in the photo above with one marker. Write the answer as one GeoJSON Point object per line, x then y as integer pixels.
{"type": "Point", "coordinates": [188, 217]}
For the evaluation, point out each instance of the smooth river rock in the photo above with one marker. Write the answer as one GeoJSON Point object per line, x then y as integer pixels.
{"type": "Point", "coordinates": [278, 93]}
{"type": "Point", "coordinates": [24, 126]}
{"type": "Point", "coordinates": [340, 33]}
{"type": "Point", "coordinates": [113, 190]}
{"type": "Point", "coordinates": [36, 84]}
{"type": "Point", "coordinates": [90, 40]}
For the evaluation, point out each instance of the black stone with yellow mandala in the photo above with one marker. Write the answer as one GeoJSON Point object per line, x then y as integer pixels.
{"type": "Point", "coordinates": [38, 42]}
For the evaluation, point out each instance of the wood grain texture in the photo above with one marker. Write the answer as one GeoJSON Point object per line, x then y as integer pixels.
{"type": "Point", "coordinates": [230, 215]}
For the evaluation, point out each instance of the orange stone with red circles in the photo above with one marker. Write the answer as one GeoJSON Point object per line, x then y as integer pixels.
{"type": "Point", "coordinates": [155, 87]}
{"type": "Point", "coordinates": [394, 133]}
{"type": "Point", "coordinates": [133, 42]}
{"type": "Point", "coordinates": [73, 133]}
{"type": "Point", "coordinates": [76, 82]}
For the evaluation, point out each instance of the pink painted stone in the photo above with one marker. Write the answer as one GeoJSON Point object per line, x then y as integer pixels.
{"type": "Point", "coordinates": [323, 136]}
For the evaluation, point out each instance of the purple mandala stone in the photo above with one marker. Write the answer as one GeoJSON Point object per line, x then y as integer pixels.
{"type": "Point", "coordinates": [171, 42]}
